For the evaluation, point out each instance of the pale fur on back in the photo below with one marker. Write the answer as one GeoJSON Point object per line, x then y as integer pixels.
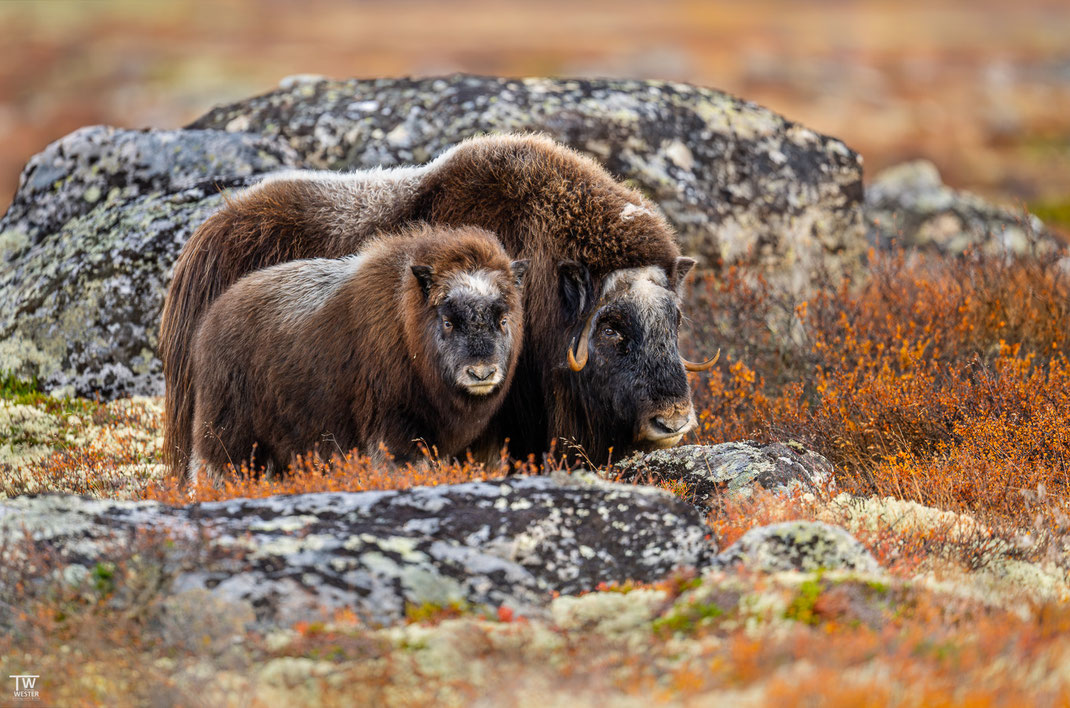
{"type": "Point", "coordinates": [361, 200]}
{"type": "Point", "coordinates": [303, 287]}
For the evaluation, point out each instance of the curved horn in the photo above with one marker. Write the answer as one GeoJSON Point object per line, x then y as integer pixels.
{"type": "Point", "coordinates": [577, 361]}
{"type": "Point", "coordinates": [692, 366]}
{"type": "Point", "coordinates": [577, 365]}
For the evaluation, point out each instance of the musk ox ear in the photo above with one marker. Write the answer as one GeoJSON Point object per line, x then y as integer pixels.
{"type": "Point", "coordinates": [574, 284]}
{"type": "Point", "coordinates": [520, 269]}
{"type": "Point", "coordinates": [678, 274]}
{"type": "Point", "coordinates": [423, 277]}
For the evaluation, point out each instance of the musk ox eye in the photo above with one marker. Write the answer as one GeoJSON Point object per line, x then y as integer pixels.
{"type": "Point", "coordinates": [610, 333]}
{"type": "Point", "coordinates": [504, 321]}
{"type": "Point", "coordinates": [447, 324]}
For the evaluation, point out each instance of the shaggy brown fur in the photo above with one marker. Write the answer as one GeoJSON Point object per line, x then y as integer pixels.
{"type": "Point", "coordinates": [354, 352]}
{"type": "Point", "coordinates": [546, 203]}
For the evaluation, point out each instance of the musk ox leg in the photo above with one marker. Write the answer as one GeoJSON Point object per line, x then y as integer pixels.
{"type": "Point", "coordinates": [201, 472]}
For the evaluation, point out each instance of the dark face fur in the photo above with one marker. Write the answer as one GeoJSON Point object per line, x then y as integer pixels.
{"type": "Point", "coordinates": [633, 378]}
{"type": "Point", "coordinates": [473, 329]}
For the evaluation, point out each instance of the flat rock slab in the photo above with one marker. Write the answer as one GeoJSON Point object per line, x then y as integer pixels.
{"type": "Point", "coordinates": [734, 469]}
{"type": "Point", "coordinates": [502, 542]}
{"type": "Point", "coordinates": [87, 247]}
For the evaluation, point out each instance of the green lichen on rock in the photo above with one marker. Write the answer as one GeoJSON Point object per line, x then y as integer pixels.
{"type": "Point", "coordinates": [82, 280]}
{"type": "Point", "coordinates": [801, 546]}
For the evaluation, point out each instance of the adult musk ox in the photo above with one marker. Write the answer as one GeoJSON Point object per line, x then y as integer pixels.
{"type": "Point", "coordinates": [604, 282]}
{"type": "Point", "coordinates": [414, 338]}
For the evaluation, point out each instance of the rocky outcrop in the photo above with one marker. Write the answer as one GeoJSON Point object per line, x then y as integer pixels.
{"type": "Point", "coordinates": [735, 469]}
{"type": "Point", "coordinates": [908, 206]}
{"type": "Point", "coordinates": [514, 542]}
{"type": "Point", "coordinates": [87, 246]}
{"type": "Point", "coordinates": [507, 542]}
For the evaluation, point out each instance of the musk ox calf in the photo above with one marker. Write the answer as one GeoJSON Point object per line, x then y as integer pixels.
{"type": "Point", "coordinates": [413, 338]}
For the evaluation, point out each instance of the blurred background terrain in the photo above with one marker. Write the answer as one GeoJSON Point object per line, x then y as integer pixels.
{"type": "Point", "coordinates": [980, 87]}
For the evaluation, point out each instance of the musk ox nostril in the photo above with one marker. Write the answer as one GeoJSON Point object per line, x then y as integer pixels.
{"type": "Point", "coordinates": [669, 424]}
{"type": "Point", "coordinates": [481, 373]}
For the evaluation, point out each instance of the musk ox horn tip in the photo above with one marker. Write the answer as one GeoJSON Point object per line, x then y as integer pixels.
{"type": "Point", "coordinates": [704, 366]}
{"type": "Point", "coordinates": [573, 364]}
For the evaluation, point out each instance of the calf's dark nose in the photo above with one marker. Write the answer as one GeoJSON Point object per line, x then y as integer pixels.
{"type": "Point", "coordinates": [481, 372]}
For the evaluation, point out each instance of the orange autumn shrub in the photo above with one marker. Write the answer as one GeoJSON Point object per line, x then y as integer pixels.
{"type": "Point", "coordinates": [340, 473]}
{"type": "Point", "coordinates": [943, 380]}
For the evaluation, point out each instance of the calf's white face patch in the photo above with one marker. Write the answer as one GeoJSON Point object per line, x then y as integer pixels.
{"type": "Point", "coordinates": [480, 283]}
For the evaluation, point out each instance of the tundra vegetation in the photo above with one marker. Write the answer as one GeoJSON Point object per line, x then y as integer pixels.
{"type": "Point", "coordinates": [939, 388]}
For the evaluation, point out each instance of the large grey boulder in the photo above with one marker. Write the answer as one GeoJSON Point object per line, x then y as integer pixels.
{"type": "Point", "coordinates": [503, 542]}
{"type": "Point", "coordinates": [737, 181]}
{"type": "Point", "coordinates": [88, 244]}
{"type": "Point", "coordinates": [734, 469]}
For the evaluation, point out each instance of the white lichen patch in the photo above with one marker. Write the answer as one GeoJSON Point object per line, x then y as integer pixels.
{"type": "Point", "coordinates": [53, 444]}
{"type": "Point", "coordinates": [458, 648]}
{"type": "Point", "coordinates": [871, 514]}
{"type": "Point", "coordinates": [611, 613]}
{"type": "Point", "coordinates": [288, 524]}
{"type": "Point", "coordinates": [25, 433]}
{"type": "Point", "coordinates": [11, 241]}
{"type": "Point", "coordinates": [999, 580]}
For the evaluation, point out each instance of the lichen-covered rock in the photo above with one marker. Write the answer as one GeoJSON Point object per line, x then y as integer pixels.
{"type": "Point", "coordinates": [798, 545]}
{"type": "Point", "coordinates": [99, 164]}
{"type": "Point", "coordinates": [87, 246]}
{"type": "Point", "coordinates": [502, 542]}
{"type": "Point", "coordinates": [909, 206]}
{"type": "Point", "coordinates": [712, 472]}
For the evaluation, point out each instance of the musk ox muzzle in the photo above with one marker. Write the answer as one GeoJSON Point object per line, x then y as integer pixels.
{"type": "Point", "coordinates": [481, 379]}
{"type": "Point", "coordinates": [666, 426]}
